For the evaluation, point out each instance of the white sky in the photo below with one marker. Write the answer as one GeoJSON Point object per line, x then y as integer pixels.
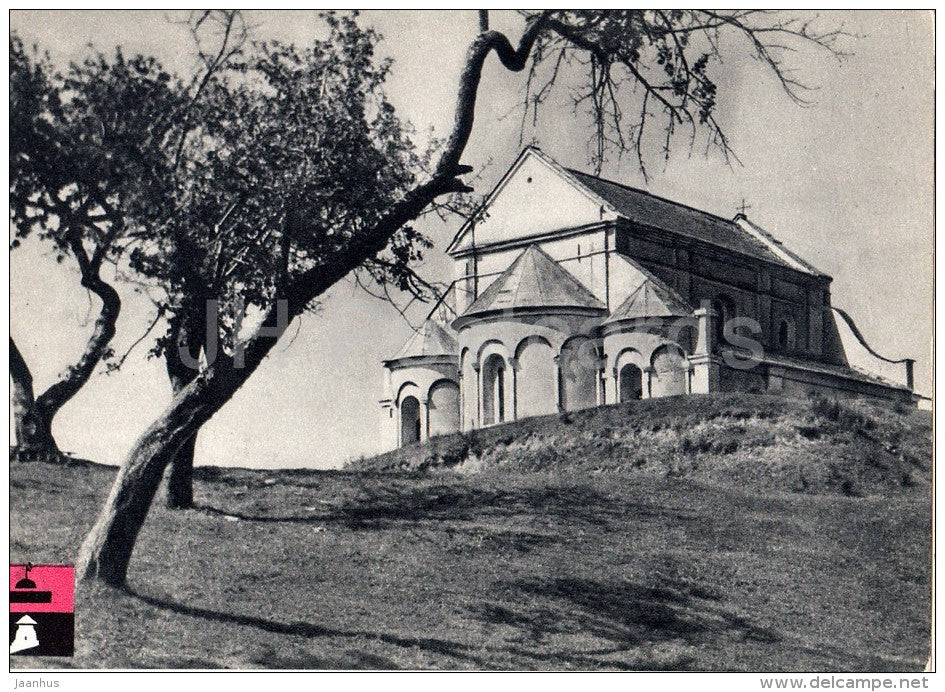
{"type": "Point", "coordinates": [846, 183]}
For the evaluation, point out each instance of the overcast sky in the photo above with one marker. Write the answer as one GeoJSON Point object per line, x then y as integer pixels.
{"type": "Point", "coordinates": [847, 183]}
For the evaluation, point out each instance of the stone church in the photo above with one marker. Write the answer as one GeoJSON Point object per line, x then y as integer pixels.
{"type": "Point", "coordinates": [571, 291]}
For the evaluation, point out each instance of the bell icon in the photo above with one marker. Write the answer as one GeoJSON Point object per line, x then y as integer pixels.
{"type": "Point", "coordinates": [25, 635]}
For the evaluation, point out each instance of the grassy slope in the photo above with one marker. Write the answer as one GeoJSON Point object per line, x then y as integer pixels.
{"type": "Point", "coordinates": [761, 441]}
{"type": "Point", "coordinates": [518, 567]}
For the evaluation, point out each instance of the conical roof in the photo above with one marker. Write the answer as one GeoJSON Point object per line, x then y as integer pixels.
{"type": "Point", "coordinates": [652, 298]}
{"type": "Point", "coordinates": [534, 280]}
{"type": "Point", "coordinates": [432, 339]}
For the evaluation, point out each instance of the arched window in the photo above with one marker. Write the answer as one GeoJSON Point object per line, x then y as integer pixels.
{"type": "Point", "coordinates": [786, 335]}
{"type": "Point", "coordinates": [724, 309]}
{"type": "Point", "coordinates": [535, 383]}
{"type": "Point", "coordinates": [409, 420]}
{"type": "Point", "coordinates": [669, 371]}
{"type": "Point", "coordinates": [579, 363]}
{"type": "Point", "coordinates": [493, 390]}
{"type": "Point", "coordinates": [444, 407]}
{"type": "Point", "coordinates": [631, 383]}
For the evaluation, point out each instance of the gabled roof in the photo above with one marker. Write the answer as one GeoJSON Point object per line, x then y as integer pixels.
{"type": "Point", "coordinates": [652, 298]}
{"type": "Point", "coordinates": [618, 200]}
{"type": "Point", "coordinates": [776, 246]}
{"type": "Point", "coordinates": [530, 154]}
{"type": "Point", "coordinates": [534, 280]}
{"type": "Point", "coordinates": [649, 210]}
{"type": "Point", "coordinates": [432, 339]}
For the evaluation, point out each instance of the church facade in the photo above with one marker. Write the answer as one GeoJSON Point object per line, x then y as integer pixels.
{"type": "Point", "coordinates": [571, 291]}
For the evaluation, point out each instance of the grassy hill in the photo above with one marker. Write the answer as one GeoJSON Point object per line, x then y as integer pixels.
{"type": "Point", "coordinates": [748, 440]}
{"type": "Point", "coordinates": [718, 533]}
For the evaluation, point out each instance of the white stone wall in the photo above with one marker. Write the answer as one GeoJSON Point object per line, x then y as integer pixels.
{"type": "Point", "coordinates": [655, 348]}
{"type": "Point", "coordinates": [443, 407]}
{"type": "Point", "coordinates": [531, 347]}
{"type": "Point", "coordinates": [534, 199]}
{"type": "Point", "coordinates": [423, 379]}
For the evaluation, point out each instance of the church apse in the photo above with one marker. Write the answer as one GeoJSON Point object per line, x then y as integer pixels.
{"type": "Point", "coordinates": [594, 292]}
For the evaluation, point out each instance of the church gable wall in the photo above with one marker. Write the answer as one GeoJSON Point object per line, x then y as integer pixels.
{"type": "Point", "coordinates": [534, 199]}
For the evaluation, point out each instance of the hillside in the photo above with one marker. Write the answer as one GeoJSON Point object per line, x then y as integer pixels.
{"type": "Point", "coordinates": [508, 560]}
{"type": "Point", "coordinates": [749, 440]}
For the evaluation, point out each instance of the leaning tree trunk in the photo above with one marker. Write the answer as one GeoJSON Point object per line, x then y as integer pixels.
{"type": "Point", "coordinates": [33, 418]}
{"type": "Point", "coordinates": [34, 440]}
{"type": "Point", "coordinates": [106, 551]}
{"type": "Point", "coordinates": [54, 398]}
{"type": "Point", "coordinates": [187, 337]}
{"type": "Point", "coordinates": [180, 479]}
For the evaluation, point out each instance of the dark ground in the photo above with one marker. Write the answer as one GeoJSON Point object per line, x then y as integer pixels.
{"type": "Point", "coordinates": [525, 566]}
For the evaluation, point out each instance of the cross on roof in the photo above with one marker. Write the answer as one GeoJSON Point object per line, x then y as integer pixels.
{"type": "Point", "coordinates": [742, 208]}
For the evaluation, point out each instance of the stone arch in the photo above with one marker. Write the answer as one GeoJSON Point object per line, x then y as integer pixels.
{"type": "Point", "coordinates": [535, 382]}
{"type": "Point", "coordinates": [443, 407]}
{"type": "Point", "coordinates": [579, 363]}
{"type": "Point", "coordinates": [534, 338]}
{"type": "Point", "coordinates": [669, 370]}
{"type": "Point", "coordinates": [629, 354]}
{"type": "Point", "coordinates": [491, 345]}
{"type": "Point", "coordinates": [493, 373]}
{"type": "Point", "coordinates": [409, 420]}
{"type": "Point", "coordinates": [402, 389]}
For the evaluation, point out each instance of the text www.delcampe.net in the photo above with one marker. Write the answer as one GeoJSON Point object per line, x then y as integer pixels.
{"type": "Point", "coordinates": [837, 682]}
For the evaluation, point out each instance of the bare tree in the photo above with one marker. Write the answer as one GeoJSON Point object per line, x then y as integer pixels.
{"type": "Point", "coordinates": [309, 252]}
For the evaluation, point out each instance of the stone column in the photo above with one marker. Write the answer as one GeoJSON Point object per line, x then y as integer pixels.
{"type": "Point", "coordinates": [388, 433]}
{"type": "Point", "coordinates": [462, 401]}
{"type": "Point", "coordinates": [602, 381]}
{"type": "Point", "coordinates": [558, 397]}
{"type": "Point", "coordinates": [704, 365]}
{"type": "Point", "coordinates": [648, 388]}
{"type": "Point", "coordinates": [478, 370]}
{"type": "Point", "coordinates": [513, 397]}
{"type": "Point", "coordinates": [705, 374]}
{"type": "Point", "coordinates": [706, 317]}
{"type": "Point", "coordinates": [424, 419]}
{"type": "Point", "coordinates": [398, 423]}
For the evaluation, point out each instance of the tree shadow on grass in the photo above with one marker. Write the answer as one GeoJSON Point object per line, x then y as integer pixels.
{"type": "Point", "coordinates": [650, 627]}
{"type": "Point", "coordinates": [311, 631]}
{"type": "Point", "coordinates": [241, 478]}
{"type": "Point", "coordinates": [387, 505]}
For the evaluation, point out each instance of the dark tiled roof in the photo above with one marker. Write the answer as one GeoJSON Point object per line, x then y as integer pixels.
{"type": "Point", "coordinates": [646, 209]}
{"type": "Point", "coordinates": [432, 340]}
{"type": "Point", "coordinates": [534, 280]}
{"type": "Point", "coordinates": [653, 298]}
